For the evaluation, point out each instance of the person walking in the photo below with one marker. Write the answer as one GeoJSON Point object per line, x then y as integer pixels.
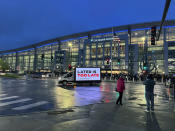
{"type": "Point", "coordinates": [120, 88]}
{"type": "Point", "coordinates": [149, 92]}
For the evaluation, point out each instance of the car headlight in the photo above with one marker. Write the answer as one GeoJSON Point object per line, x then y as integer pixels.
{"type": "Point", "coordinates": [59, 78]}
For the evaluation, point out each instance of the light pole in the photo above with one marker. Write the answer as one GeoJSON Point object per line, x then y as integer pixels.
{"type": "Point", "coordinates": [115, 39]}
{"type": "Point", "coordinates": [70, 52]}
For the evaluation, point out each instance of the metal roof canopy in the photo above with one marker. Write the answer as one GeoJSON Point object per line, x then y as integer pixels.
{"type": "Point", "coordinates": [167, 4]}
{"type": "Point", "coordinates": [82, 34]}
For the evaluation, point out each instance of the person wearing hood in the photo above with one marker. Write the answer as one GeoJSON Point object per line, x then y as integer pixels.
{"type": "Point", "coordinates": [120, 89]}
{"type": "Point", "coordinates": [149, 92]}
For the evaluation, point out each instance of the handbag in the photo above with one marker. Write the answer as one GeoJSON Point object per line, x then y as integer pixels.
{"type": "Point", "coordinates": [117, 95]}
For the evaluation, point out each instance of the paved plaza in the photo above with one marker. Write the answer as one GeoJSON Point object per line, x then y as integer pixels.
{"type": "Point", "coordinates": [84, 108]}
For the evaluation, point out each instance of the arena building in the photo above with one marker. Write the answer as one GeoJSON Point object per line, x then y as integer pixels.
{"type": "Point", "coordinates": [116, 49]}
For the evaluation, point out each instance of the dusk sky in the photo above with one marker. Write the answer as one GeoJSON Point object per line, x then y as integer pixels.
{"type": "Point", "coordinates": [25, 22]}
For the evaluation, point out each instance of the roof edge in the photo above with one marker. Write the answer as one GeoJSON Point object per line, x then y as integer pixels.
{"type": "Point", "coordinates": [91, 32]}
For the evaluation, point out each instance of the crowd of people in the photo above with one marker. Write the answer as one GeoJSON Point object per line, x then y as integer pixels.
{"type": "Point", "coordinates": [168, 80]}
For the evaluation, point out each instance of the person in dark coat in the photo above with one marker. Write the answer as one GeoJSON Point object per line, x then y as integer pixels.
{"type": "Point", "coordinates": [120, 89]}
{"type": "Point", "coordinates": [149, 92]}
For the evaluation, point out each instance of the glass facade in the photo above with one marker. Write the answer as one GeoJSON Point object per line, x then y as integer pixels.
{"type": "Point", "coordinates": [94, 50]}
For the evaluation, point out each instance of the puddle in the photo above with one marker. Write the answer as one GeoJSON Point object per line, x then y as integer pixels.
{"type": "Point", "coordinates": [59, 112]}
{"type": "Point", "coordinates": [132, 98]}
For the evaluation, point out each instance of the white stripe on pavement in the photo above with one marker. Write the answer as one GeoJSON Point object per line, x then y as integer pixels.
{"type": "Point", "coordinates": [3, 94]}
{"type": "Point", "coordinates": [16, 101]}
{"type": "Point", "coordinates": [30, 105]}
{"type": "Point", "coordinates": [5, 98]}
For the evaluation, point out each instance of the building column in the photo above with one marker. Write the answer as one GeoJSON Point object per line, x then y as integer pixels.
{"type": "Point", "coordinates": [23, 63]}
{"type": "Point", "coordinates": [35, 60]}
{"type": "Point", "coordinates": [96, 53]}
{"type": "Point", "coordinates": [90, 45]}
{"type": "Point", "coordinates": [103, 53]}
{"type": "Point", "coordinates": [83, 52]}
{"type": "Point", "coordinates": [16, 63]}
{"type": "Point", "coordinates": [127, 41]}
{"type": "Point", "coordinates": [51, 59]}
{"type": "Point", "coordinates": [165, 46]}
{"type": "Point", "coordinates": [111, 52]}
{"type": "Point", "coordinates": [12, 65]}
{"type": "Point", "coordinates": [136, 54]}
{"type": "Point", "coordinates": [79, 53]}
{"type": "Point", "coordinates": [28, 69]}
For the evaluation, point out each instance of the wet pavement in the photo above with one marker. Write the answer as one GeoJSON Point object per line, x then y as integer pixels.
{"type": "Point", "coordinates": [21, 96]}
{"type": "Point", "coordinates": [42, 105]}
{"type": "Point", "coordinates": [94, 117]}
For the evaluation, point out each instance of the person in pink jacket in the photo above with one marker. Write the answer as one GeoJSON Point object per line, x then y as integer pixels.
{"type": "Point", "coordinates": [120, 89]}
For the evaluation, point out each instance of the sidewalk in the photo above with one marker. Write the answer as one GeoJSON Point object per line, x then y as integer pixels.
{"type": "Point", "coordinates": [103, 116]}
{"type": "Point", "coordinates": [97, 117]}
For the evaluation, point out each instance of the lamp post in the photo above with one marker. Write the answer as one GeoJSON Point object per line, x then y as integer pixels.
{"type": "Point", "coordinates": [115, 39]}
{"type": "Point", "coordinates": [70, 52]}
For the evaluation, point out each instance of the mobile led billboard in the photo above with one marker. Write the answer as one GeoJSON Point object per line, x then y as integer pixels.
{"type": "Point", "coordinates": [88, 74]}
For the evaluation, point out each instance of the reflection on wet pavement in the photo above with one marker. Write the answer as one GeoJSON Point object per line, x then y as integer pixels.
{"type": "Point", "coordinates": [164, 98]}
{"type": "Point", "coordinates": [71, 96]}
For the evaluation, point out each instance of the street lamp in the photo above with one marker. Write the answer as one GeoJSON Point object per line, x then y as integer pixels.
{"type": "Point", "coordinates": [70, 52]}
{"type": "Point", "coordinates": [70, 44]}
{"type": "Point", "coordinates": [116, 39]}
{"type": "Point", "coordinates": [143, 39]}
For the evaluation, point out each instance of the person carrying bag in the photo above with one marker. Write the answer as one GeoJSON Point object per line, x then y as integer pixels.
{"type": "Point", "coordinates": [120, 88]}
